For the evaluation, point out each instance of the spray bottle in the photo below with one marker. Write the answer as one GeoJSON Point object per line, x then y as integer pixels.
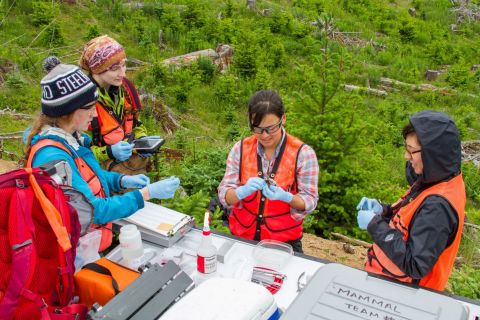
{"type": "Point", "coordinates": [207, 252]}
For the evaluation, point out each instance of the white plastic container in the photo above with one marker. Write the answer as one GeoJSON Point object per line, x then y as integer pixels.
{"type": "Point", "coordinates": [272, 254]}
{"type": "Point", "coordinates": [207, 252]}
{"type": "Point", "coordinates": [130, 242]}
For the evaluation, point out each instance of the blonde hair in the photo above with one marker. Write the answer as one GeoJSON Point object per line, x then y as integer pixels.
{"type": "Point", "coordinates": [41, 121]}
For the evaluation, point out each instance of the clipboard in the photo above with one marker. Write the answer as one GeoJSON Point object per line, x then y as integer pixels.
{"type": "Point", "coordinates": [160, 225]}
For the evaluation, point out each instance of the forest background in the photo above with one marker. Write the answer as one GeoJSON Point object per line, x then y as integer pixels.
{"type": "Point", "coordinates": [307, 50]}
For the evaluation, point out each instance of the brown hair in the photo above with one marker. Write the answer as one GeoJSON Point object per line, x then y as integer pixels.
{"type": "Point", "coordinates": [41, 121]}
{"type": "Point", "coordinates": [264, 102]}
{"type": "Point", "coordinates": [407, 130]}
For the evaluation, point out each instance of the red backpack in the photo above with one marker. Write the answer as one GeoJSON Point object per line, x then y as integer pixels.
{"type": "Point", "coordinates": [39, 231]}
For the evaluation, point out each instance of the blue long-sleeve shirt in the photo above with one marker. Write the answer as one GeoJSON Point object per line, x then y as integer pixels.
{"type": "Point", "coordinates": [106, 209]}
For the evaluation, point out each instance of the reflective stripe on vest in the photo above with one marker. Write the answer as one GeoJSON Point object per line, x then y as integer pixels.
{"type": "Point", "coordinates": [271, 218]}
{"type": "Point", "coordinates": [112, 130]}
{"type": "Point", "coordinates": [87, 174]}
{"type": "Point", "coordinates": [378, 262]}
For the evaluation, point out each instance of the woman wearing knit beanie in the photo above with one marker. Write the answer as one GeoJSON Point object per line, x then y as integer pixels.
{"type": "Point", "coordinates": [68, 108]}
{"type": "Point", "coordinates": [117, 123]}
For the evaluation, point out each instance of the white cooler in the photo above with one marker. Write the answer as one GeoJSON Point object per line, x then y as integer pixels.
{"type": "Point", "coordinates": [225, 299]}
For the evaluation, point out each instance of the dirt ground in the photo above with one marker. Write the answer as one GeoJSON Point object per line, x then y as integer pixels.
{"type": "Point", "coordinates": [6, 166]}
{"type": "Point", "coordinates": [334, 251]}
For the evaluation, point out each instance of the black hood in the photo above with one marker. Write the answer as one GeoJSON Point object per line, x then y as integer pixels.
{"type": "Point", "coordinates": [441, 148]}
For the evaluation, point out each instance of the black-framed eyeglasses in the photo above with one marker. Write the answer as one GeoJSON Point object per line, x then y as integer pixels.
{"type": "Point", "coordinates": [269, 130]}
{"type": "Point", "coordinates": [411, 153]}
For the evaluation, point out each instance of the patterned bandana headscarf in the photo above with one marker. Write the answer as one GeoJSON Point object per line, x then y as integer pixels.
{"type": "Point", "coordinates": [100, 54]}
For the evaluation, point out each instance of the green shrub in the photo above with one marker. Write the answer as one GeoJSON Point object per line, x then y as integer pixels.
{"type": "Point", "coordinates": [43, 12]}
{"type": "Point", "coordinates": [206, 68]}
{"type": "Point", "coordinates": [465, 282]}
{"type": "Point", "coordinates": [407, 31]}
{"type": "Point", "coordinates": [14, 81]}
{"type": "Point", "coordinates": [92, 32]}
{"type": "Point", "coordinates": [53, 36]}
{"type": "Point", "coordinates": [245, 58]}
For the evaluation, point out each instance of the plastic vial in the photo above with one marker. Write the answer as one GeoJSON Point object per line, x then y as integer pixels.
{"type": "Point", "coordinates": [207, 252]}
{"type": "Point", "coordinates": [130, 242]}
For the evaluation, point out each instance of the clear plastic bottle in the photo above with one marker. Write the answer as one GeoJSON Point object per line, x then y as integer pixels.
{"type": "Point", "coordinates": [207, 252]}
{"type": "Point", "coordinates": [130, 242]}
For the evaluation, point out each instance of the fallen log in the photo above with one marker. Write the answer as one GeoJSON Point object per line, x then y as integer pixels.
{"type": "Point", "coordinates": [351, 240]}
{"type": "Point", "coordinates": [375, 92]}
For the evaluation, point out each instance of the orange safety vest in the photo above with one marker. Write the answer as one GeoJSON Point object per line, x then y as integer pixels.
{"type": "Point", "coordinates": [378, 262]}
{"type": "Point", "coordinates": [259, 218]}
{"type": "Point", "coordinates": [112, 129]}
{"type": "Point", "coordinates": [109, 129]}
{"type": "Point", "coordinates": [87, 174]}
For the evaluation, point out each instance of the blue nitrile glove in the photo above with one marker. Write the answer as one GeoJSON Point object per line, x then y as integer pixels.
{"type": "Point", "coordinates": [122, 150]}
{"type": "Point", "coordinates": [364, 217]}
{"type": "Point", "coordinates": [252, 185]}
{"type": "Point", "coordinates": [137, 181]}
{"type": "Point", "coordinates": [370, 204]}
{"type": "Point", "coordinates": [164, 189]}
{"type": "Point", "coordinates": [277, 193]}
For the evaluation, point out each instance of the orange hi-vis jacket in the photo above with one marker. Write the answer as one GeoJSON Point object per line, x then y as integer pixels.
{"type": "Point", "coordinates": [257, 217]}
{"type": "Point", "coordinates": [378, 262]}
{"type": "Point", "coordinates": [87, 174]}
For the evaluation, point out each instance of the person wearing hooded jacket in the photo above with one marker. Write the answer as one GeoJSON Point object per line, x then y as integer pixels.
{"type": "Point", "coordinates": [416, 239]}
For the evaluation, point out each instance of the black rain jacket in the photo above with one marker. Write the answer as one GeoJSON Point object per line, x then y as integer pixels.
{"type": "Point", "coordinates": [435, 223]}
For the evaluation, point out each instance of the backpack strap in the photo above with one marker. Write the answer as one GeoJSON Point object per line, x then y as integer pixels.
{"type": "Point", "coordinates": [44, 143]}
{"type": "Point", "coordinates": [53, 216]}
{"type": "Point", "coordinates": [133, 94]}
{"type": "Point", "coordinates": [96, 136]}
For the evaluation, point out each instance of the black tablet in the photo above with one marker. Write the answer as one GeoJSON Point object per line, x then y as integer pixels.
{"type": "Point", "coordinates": [148, 145]}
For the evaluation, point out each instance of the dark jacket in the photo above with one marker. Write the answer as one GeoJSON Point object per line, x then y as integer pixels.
{"type": "Point", "coordinates": [435, 223]}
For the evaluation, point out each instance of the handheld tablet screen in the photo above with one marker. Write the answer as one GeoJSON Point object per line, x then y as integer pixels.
{"type": "Point", "coordinates": [148, 145]}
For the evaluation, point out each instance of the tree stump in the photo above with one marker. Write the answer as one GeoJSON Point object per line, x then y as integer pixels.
{"type": "Point", "coordinates": [412, 12]}
{"type": "Point", "coordinates": [431, 75]}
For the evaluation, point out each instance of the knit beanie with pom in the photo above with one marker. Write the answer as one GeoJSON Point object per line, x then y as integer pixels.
{"type": "Point", "coordinates": [65, 88]}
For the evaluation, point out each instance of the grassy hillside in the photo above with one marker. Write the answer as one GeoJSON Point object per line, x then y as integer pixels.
{"type": "Point", "coordinates": [305, 49]}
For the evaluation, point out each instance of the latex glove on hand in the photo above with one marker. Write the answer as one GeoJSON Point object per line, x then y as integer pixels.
{"type": "Point", "coordinates": [137, 181]}
{"type": "Point", "coordinates": [122, 150]}
{"type": "Point", "coordinates": [277, 193]}
{"type": "Point", "coordinates": [252, 185]}
{"type": "Point", "coordinates": [364, 217]}
{"type": "Point", "coordinates": [163, 189]}
{"type": "Point", "coordinates": [370, 204]}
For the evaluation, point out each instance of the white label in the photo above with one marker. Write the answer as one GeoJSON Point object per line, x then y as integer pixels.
{"type": "Point", "coordinates": [207, 264]}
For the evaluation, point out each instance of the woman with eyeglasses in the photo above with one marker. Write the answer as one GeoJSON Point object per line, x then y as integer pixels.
{"type": "Point", "coordinates": [68, 107]}
{"type": "Point", "coordinates": [117, 122]}
{"type": "Point", "coordinates": [416, 239]}
{"type": "Point", "coordinates": [271, 178]}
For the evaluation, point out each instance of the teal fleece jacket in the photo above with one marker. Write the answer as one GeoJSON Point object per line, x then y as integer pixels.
{"type": "Point", "coordinates": [106, 209]}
